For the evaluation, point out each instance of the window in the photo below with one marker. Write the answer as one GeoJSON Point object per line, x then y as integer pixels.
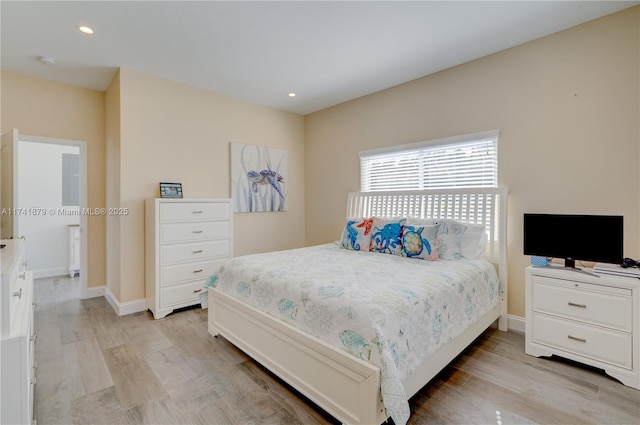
{"type": "Point", "coordinates": [454, 162]}
{"type": "Point", "coordinates": [70, 180]}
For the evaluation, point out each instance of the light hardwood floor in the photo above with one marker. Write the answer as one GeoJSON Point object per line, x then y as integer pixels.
{"type": "Point", "coordinates": [95, 367]}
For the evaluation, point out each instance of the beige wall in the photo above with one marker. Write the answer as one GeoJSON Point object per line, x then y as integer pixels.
{"type": "Point", "coordinates": [112, 136]}
{"type": "Point", "coordinates": [6, 182]}
{"type": "Point", "coordinates": [43, 108]}
{"type": "Point", "coordinates": [567, 107]}
{"type": "Point", "coordinates": [151, 130]}
{"type": "Point", "coordinates": [177, 133]}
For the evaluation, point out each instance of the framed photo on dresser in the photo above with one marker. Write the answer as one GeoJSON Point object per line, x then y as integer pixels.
{"type": "Point", "coordinates": [170, 190]}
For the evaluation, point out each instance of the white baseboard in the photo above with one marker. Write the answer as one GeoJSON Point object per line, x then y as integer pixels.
{"type": "Point", "coordinates": [516, 323]}
{"type": "Point", "coordinates": [52, 272]}
{"type": "Point", "coordinates": [93, 292]}
{"type": "Point", "coordinates": [123, 309]}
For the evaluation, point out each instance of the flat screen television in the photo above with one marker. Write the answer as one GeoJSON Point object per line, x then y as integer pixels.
{"type": "Point", "coordinates": [597, 238]}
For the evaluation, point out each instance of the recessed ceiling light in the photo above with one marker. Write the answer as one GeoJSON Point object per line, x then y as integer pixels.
{"type": "Point", "coordinates": [292, 94]}
{"type": "Point", "coordinates": [47, 60]}
{"type": "Point", "coordinates": [85, 30]}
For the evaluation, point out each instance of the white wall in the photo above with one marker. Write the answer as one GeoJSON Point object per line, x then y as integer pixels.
{"type": "Point", "coordinates": [44, 225]}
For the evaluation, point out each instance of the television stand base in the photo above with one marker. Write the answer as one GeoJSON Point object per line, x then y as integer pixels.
{"type": "Point", "coordinates": [570, 269]}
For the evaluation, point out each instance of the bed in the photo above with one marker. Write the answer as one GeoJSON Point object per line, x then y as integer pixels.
{"type": "Point", "coordinates": [304, 334]}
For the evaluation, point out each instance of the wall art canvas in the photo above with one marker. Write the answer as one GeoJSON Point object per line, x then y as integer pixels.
{"type": "Point", "coordinates": [258, 178]}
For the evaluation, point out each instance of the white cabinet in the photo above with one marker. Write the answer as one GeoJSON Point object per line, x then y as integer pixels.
{"type": "Point", "coordinates": [186, 241]}
{"type": "Point", "coordinates": [73, 242]}
{"type": "Point", "coordinates": [17, 336]}
{"type": "Point", "coordinates": [592, 319]}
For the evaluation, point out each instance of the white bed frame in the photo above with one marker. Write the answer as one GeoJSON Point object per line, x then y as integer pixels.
{"type": "Point", "coordinates": [345, 386]}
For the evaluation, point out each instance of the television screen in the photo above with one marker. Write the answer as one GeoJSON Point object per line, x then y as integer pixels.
{"type": "Point", "coordinates": [574, 237]}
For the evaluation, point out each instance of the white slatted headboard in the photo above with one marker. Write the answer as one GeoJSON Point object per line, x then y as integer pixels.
{"type": "Point", "coordinates": [486, 206]}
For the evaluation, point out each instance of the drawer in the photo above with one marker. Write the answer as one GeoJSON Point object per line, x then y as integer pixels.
{"type": "Point", "coordinates": [16, 295]}
{"type": "Point", "coordinates": [600, 308]}
{"type": "Point", "coordinates": [193, 211]}
{"type": "Point", "coordinates": [189, 271]}
{"type": "Point", "coordinates": [17, 281]}
{"type": "Point", "coordinates": [31, 399]}
{"type": "Point", "coordinates": [180, 294]}
{"type": "Point", "coordinates": [600, 286]}
{"type": "Point", "coordinates": [600, 344]}
{"type": "Point", "coordinates": [186, 232]}
{"type": "Point", "coordinates": [33, 337]}
{"type": "Point", "coordinates": [194, 251]}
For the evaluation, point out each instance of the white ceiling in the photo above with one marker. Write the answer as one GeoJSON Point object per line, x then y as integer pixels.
{"type": "Point", "coordinates": [326, 52]}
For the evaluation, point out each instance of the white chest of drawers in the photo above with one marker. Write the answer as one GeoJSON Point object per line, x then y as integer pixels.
{"type": "Point", "coordinates": [17, 336]}
{"type": "Point", "coordinates": [186, 241]}
{"type": "Point", "coordinates": [591, 319]}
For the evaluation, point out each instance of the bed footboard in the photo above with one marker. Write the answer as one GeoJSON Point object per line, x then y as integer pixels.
{"type": "Point", "coordinates": [345, 386]}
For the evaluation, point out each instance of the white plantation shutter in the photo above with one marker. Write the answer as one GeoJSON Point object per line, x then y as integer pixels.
{"type": "Point", "coordinates": [455, 162]}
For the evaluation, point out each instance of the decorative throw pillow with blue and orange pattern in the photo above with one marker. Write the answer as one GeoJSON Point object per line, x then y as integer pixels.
{"type": "Point", "coordinates": [420, 242]}
{"type": "Point", "coordinates": [386, 235]}
{"type": "Point", "coordinates": [357, 234]}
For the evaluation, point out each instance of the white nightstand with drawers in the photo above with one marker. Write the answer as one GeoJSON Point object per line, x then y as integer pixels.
{"type": "Point", "coordinates": [186, 241]}
{"type": "Point", "coordinates": [584, 317]}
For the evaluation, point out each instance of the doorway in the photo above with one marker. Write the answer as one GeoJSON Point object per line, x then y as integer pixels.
{"type": "Point", "coordinates": [50, 193]}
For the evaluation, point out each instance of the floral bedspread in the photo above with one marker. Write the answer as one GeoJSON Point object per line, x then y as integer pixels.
{"type": "Point", "coordinates": [389, 310]}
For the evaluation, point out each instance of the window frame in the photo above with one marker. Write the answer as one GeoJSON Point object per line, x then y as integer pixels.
{"type": "Point", "coordinates": [417, 152]}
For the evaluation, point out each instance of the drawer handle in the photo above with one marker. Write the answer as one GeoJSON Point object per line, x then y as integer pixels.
{"type": "Point", "coordinates": [34, 336]}
{"type": "Point", "coordinates": [22, 275]}
{"type": "Point", "coordinates": [197, 231]}
{"type": "Point", "coordinates": [198, 212]}
{"type": "Point", "coordinates": [198, 271]}
{"type": "Point", "coordinates": [18, 293]}
{"type": "Point", "coordinates": [576, 339]}
{"type": "Point", "coordinates": [195, 291]}
{"type": "Point", "coordinates": [198, 251]}
{"type": "Point", "coordinates": [577, 305]}
{"type": "Point", "coordinates": [34, 380]}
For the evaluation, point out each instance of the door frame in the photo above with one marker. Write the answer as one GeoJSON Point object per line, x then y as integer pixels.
{"type": "Point", "coordinates": [82, 145]}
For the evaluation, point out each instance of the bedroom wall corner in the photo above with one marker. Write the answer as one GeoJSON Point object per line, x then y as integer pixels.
{"type": "Point", "coordinates": [178, 133]}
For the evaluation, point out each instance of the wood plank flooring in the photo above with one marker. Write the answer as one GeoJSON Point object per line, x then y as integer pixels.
{"type": "Point", "coordinates": [95, 367]}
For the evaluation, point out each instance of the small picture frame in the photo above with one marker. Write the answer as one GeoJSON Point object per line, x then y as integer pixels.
{"type": "Point", "coordinates": [170, 190]}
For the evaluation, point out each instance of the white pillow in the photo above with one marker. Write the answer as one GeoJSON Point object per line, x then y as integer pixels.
{"type": "Point", "coordinates": [473, 241]}
{"type": "Point", "coordinates": [462, 240]}
{"type": "Point", "coordinates": [449, 247]}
